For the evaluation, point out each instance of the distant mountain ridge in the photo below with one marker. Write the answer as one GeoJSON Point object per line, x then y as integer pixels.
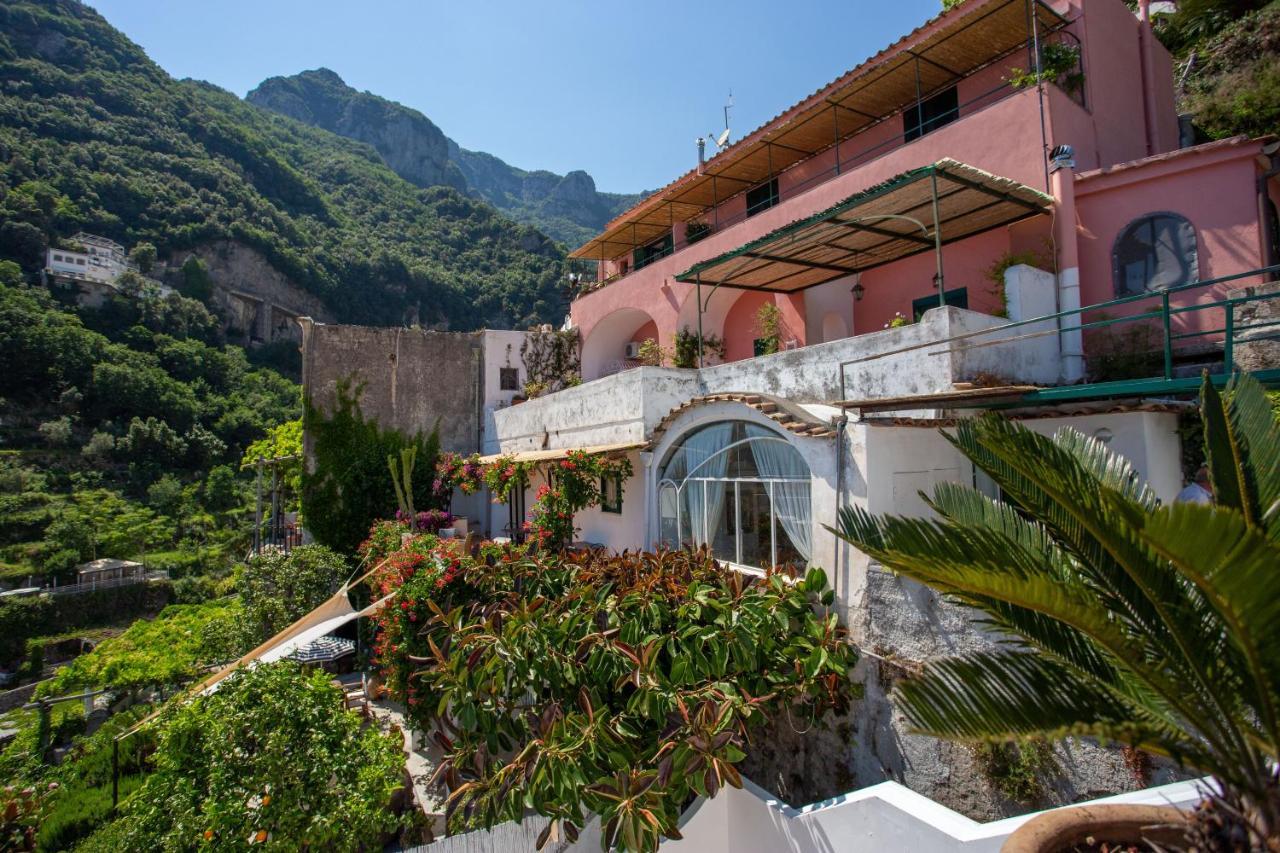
{"type": "Point", "coordinates": [567, 207]}
{"type": "Point", "coordinates": [96, 137]}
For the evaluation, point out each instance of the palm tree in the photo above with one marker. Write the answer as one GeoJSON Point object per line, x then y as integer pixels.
{"type": "Point", "coordinates": [1154, 626]}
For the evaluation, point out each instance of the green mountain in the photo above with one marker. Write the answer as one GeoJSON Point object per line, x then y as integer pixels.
{"type": "Point", "coordinates": [568, 207]}
{"type": "Point", "coordinates": [96, 137]}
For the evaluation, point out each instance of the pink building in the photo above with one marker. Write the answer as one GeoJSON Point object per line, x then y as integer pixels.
{"type": "Point", "coordinates": [1132, 209]}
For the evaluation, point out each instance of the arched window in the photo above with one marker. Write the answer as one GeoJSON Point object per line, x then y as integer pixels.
{"type": "Point", "coordinates": [1153, 253]}
{"type": "Point", "coordinates": [743, 490]}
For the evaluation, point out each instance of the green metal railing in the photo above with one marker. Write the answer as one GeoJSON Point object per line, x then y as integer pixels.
{"type": "Point", "coordinates": [1165, 314]}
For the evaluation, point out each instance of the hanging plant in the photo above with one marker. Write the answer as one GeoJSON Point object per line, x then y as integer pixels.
{"type": "Point", "coordinates": [503, 475]}
{"type": "Point", "coordinates": [573, 484]}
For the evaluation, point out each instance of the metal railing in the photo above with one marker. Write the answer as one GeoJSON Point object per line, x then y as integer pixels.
{"type": "Point", "coordinates": [1165, 314]}
{"type": "Point", "coordinates": [94, 585]}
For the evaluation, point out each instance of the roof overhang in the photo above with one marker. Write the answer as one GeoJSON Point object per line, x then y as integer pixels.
{"type": "Point", "coordinates": [955, 44]}
{"type": "Point", "coordinates": [562, 452]}
{"type": "Point", "coordinates": [874, 227]}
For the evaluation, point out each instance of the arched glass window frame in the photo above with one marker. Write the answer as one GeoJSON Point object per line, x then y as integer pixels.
{"type": "Point", "coordinates": [1117, 276]}
{"type": "Point", "coordinates": [667, 483]}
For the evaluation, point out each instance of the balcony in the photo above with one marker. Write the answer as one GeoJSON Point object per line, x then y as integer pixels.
{"type": "Point", "coordinates": [861, 118]}
{"type": "Point", "coordinates": [907, 361]}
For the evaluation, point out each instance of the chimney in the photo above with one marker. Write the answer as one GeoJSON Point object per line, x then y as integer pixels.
{"type": "Point", "coordinates": [702, 153]}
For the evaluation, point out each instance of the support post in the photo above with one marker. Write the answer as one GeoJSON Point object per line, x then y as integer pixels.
{"type": "Point", "coordinates": [275, 502]}
{"type": "Point", "coordinates": [1228, 346]}
{"type": "Point", "coordinates": [115, 773]}
{"type": "Point", "coordinates": [835, 132]}
{"type": "Point", "coordinates": [697, 279]}
{"type": "Point", "coordinates": [257, 515]}
{"type": "Point", "coordinates": [937, 239]}
{"type": "Point", "coordinates": [1168, 337]}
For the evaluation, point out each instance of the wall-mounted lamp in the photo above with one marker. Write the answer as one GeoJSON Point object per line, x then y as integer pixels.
{"type": "Point", "coordinates": [858, 291]}
{"type": "Point", "coordinates": [1103, 435]}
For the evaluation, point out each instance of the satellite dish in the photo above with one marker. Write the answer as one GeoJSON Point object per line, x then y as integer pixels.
{"type": "Point", "coordinates": [722, 138]}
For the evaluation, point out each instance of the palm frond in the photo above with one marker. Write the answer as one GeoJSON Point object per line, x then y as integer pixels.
{"type": "Point", "coordinates": [1006, 695]}
{"type": "Point", "coordinates": [1238, 570]}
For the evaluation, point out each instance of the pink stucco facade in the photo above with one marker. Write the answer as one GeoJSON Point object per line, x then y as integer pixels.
{"type": "Point", "coordinates": [1125, 133]}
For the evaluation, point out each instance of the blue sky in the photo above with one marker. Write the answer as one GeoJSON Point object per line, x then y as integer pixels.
{"type": "Point", "coordinates": [620, 89]}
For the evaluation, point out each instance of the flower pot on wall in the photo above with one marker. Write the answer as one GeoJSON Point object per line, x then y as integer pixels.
{"type": "Point", "coordinates": [1063, 829]}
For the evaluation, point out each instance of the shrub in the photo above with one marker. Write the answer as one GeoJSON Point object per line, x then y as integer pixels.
{"type": "Point", "coordinates": [278, 589]}
{"type": "Point", "coordinates": [272, 756]}
{"type": "Point", "coordinates": [57, 432]}
{"type": "Point", "coordinates": [620, 685]}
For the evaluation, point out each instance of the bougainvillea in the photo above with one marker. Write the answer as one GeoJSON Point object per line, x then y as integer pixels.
{"type": "Point", "coordinates": [573, 485]}
{"type": "Point", "coordinates": [581, 682]}
{"type": "Point", "coordinates": [454, 471]}
{"type": "Point", "coordinates": [503, 475]}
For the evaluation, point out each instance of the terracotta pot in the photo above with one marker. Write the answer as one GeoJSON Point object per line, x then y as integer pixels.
{"type": "Point", "coordinates": [1116, 824]}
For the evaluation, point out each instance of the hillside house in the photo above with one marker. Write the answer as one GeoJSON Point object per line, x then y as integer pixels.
{"type": "Point", "coordinates": [999, 211]}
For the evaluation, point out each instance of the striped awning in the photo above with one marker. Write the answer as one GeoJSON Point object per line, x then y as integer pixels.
{"type": "Point", "coordinates": [324, 649]}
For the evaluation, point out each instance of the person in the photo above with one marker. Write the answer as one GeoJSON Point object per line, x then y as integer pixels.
{"type": "Point", "coordinates": [1198, 491]}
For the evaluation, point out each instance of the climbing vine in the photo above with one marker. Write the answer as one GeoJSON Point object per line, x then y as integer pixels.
{"type": "Point", "coordinates": [347, 487]}
{"type": "Point", "coordinates": [552, 360]}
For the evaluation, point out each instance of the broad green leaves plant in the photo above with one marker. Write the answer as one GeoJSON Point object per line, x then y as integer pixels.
{"type": "Point", "coordinates": [616, 685]}
{"type": "Point", "coordinates": [1154, 626]}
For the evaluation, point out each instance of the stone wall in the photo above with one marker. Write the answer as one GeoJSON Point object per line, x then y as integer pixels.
{"type": "Point", "coordinates": [412, 379]}
{"type": "Point", "coordinates": [255, 299]}
{"type": "Point", "coordinates": [1259, 349]}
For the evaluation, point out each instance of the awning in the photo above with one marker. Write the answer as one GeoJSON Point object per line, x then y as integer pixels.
{"type": "Point", "coordinates": [935, 56]}
{"type": "Point", "coordinates": [875, 227]}
{"type": "Point", "coordinates": [561, 453]}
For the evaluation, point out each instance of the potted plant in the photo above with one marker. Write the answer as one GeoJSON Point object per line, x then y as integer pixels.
{"type": "Point", "coordinates": [695, 230]}
{"type": "Point", "coordinates": [1141, 624]}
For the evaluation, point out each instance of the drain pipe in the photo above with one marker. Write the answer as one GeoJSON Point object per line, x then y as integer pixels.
{"type": "Point", "coordinates": [1147, 73]}
{"type": "Point", "coordinates": [1070, 341]}
{"type": "Point", "coordinates": [1266, 211]}
{"type": "Point", "coordinates": [842, 424]}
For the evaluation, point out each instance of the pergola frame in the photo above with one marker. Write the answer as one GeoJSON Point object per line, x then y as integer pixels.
{"type": "Point", "coordinates": [900, 77]}
{"type": "Point", "coordinates": [852, 237]}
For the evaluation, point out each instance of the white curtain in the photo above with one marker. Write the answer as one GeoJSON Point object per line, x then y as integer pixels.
{"type": "Point", "coordinates": [792, 503]}
{"type": "Point", "coordinates": [704, 501]}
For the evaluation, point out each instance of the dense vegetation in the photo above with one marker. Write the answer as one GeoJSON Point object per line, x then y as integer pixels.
{"type": "Point", "coordinates": [95, 136]}
{"type": "Point", "coordinates": [122, 429]}
{"type": "Point", "coordinates": [272, 759]}
{"type": "Point", "coordinates": [1228, 56]}
{"type": "Point", "coordinates": [619, 685]}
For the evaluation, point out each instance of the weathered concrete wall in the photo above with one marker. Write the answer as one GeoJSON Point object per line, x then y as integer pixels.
{"type": "Point", "coordinates": [412, 379]}
{"type": "Point", "coordinates": [619, 408]}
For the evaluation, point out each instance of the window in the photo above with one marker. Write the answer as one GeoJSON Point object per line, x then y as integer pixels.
{"type": "Point", "coordinates": [762, 197]}
{"type": "Point", "coordinates": [57, 257]}
{"type": "Point", "coordinates": [741, 489]}
{"type": "Point", "coordinates": [646, 255]}
{"type": "Point", "coordinates": [930, 114]}
{"type": "Point", "coordinates": [611, 494]}
{"type": "Point", "coordinates": [508, 379]}
{"type": "Point", "coordinates": [80, 261]}
{"type": "Point", "coordinates": [1153, 253]}
{"type": "Point", "coordinates": [957, 298]}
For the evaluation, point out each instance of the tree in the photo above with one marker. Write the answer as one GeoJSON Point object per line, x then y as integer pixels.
{"type": "Point", "coordinates": [1153, 626]}
{"type": "Point", "coordinates": [278, 589]}
{"type": "Point", "coordinates": [196, 282]}
{"type": "Point", "coordinates": [273, 758]}
{"type": "Point", "coordinates": [143, 256]}
{"type": "Point", "coordinates": [56, 432]}
{"type": "Point", "coordinates": [220, 489]}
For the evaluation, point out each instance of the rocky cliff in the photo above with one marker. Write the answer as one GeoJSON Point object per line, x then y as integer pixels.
{"type": "Point", "coordinates": [568, 207]}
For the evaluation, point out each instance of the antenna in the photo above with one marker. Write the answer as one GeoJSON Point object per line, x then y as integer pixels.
{"type": "Point", "coordinates": [722, 139]}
